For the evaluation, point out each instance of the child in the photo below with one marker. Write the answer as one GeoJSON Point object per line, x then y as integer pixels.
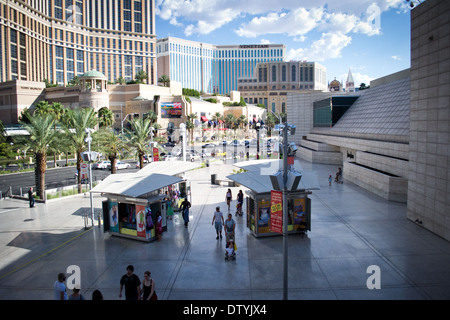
{"type": "Point", "coordinates": [329, 179]}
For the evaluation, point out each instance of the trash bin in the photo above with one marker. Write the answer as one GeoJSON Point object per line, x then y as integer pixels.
{"type": "Point", "coordinates": [207, 163]}
{"type": "Point", "coordinates": [213, 179]}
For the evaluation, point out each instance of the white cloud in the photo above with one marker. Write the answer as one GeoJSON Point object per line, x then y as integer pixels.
{"type": "Point", "coordinates": [336, 20]}
{"type": "Point", "coordinates": [329, 46]}
{"type": "Point", "coordinates": [396, 58]}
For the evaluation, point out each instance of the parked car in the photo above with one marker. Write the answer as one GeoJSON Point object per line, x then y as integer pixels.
{"type": "Point", "coordinates": [101, 165]}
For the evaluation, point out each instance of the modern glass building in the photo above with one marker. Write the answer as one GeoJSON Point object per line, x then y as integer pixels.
{"type": "Point", "coordinates": [60, 39]}
{"type": "Point", "coordinates": [212, 68]}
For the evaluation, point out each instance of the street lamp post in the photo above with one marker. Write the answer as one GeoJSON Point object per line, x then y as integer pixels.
{"type": "Point", "coordinates": [258, 126]}
{"type": "Point", "coordinates": [183, 134]}
{"type": "Point", "coordinates": [88, 140]}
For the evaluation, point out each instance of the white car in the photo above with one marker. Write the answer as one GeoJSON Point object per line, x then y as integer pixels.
{"type": "Point", "coordinates": [122, 165]}
{"type": "Point", "coordinates": [102, 165]}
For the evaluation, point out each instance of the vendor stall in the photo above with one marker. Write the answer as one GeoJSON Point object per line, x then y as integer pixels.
{"type": "Point", "coordinates": [259, 207]}
{"type": "Point", "coordinates": [134, 200]}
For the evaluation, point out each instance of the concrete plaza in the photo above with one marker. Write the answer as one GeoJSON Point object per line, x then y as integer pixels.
{"type": "Point", "coordinates": [351, 230]}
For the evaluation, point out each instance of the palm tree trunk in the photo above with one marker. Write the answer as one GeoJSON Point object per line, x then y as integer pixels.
{"type": "Point", "coordinates": [41, 165]}
{"type": "Point", "coordinates": [80, 189]}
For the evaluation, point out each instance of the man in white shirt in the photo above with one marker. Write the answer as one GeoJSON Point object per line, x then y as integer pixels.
{"type": "Point", "coordinates": [218, 222]}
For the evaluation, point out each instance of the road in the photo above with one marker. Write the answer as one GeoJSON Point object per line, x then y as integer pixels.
{"type": "Point", "coordinates": [54, 177]}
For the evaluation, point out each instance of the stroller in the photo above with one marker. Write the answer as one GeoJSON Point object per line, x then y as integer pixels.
{"type": "Point", "coordinates": [230, 250]}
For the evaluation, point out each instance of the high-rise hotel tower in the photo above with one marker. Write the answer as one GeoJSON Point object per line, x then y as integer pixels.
{"type": "Point", "coordinates": [212, 68]}
{"type": "Point", "coordinates": [60, 39]}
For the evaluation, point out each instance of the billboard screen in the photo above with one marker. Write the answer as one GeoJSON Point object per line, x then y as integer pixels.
{"type": "Point", "coordinates": [171, 110]}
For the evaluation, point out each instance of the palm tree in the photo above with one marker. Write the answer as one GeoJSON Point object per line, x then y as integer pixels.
{"type": "Point", "coordinates": [190, 125]}
{"type": "Point", "coordinates": [77, 121]}
{"type": "Point", "coordinates": [42, 134]}
{"type": "Point", "coordinates": [138, 137]}
{"type": "Point", "coordinates": [105, 117]}
{"type": "Point", "coordinates": [141, 76]}
{"type": "Point", "coordinates": [109, 143]}
{"type": "Point", "coordinates": [164, 79]}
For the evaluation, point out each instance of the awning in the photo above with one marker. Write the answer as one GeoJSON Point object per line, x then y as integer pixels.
{"type": "Point", "coordinates": [220, 121]}
{"type": "Point", "coordinates": [168, 167]}
{"type": "Point", "coordinates": [134, 185]}
{"type": "Point", "coordinates": [203, 118]}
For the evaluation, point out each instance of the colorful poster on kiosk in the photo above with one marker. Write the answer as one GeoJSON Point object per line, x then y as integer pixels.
{"type": "Point", "coordinates": [299, 213]}
{"type": "Point", "coordinates": [263, 217]}
{"type": "Point", "coordinates": [113, 216]}
{"type": "Point", "coordinates": [276, 211]}
{"type": "Point", "coordinates": [140, 221]}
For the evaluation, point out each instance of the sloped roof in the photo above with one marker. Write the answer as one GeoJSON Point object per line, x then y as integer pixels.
{"type": "Point", "coordinates": [382, 110]}
{"type": "Point", "coordinates": [93, 74]}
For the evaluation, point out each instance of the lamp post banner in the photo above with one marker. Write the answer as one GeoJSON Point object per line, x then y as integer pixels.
{"type": "Point", "coordinates": [276, 211]}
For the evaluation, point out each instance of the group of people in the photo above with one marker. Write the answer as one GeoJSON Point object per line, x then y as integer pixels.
{"type": "Point", "coordinates": [134, 288]}
{"type": "Point", "coordinates": [60, 291]}
{"type": "Point", "coordinates": [337, 179]}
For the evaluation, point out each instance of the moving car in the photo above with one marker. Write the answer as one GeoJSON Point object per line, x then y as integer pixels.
{"type": "Point", "coordinates": [101, 165]}
{"type": "Point", "coordinates": [120, 165]}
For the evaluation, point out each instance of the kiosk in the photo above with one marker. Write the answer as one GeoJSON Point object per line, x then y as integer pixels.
{"type": "Point", "coordinates": [257, 180]}
{"type": "Point", "coordinates": [134, 200]}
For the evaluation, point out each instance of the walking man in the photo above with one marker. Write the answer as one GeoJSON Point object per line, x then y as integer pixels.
{"type": "Point", "coordinates": [185, 205]}
{"type": "Point", "coordinates": [132, 285]}
{"type": "Point", "coordinates": [218, 222]}
{"type": "Point", "coordinates": [31, 197]}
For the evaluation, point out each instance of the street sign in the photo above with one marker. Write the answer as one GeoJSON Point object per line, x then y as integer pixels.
{"type": "Point", "coordinates": [276, 211]}
{"type": "Point", "coordinates": [84, 170]}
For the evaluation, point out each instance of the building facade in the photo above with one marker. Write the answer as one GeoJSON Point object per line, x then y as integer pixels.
{"type": "Point", "coordinates": [212, 68]}
{"type": "Point", "coordinates": [271, 82]}
{"type": "Point", "coordinates": [60, 39]}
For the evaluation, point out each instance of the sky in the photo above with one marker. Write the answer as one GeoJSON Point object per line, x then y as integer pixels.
{"type": "Point", "coordinates": [370, 37]}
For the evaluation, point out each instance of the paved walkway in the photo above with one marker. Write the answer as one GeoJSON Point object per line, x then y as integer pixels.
{"type": "Point", "coordinates": [352, 229]}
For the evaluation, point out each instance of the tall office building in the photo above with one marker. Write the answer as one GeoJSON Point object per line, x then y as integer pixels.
{"type": "Point", "coordinates": [60, 39]}
{"type": "Point", "coordinates": [212, 68]}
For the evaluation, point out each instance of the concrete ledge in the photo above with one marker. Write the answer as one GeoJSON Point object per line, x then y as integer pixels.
{"type": "Point", "coordinates": [324, 157]}
{"type": "Point", "coordinates": [387, 186]}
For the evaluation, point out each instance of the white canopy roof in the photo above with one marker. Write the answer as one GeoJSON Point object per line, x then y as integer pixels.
{"type": "Point", "coordinates": [257, 178]}
{"type": "Point", "coordinates": [168, 167]}
{"type": "Point", "coordinates": [133, 184]}
{"type": "Point", "coordinates": [152, 177]}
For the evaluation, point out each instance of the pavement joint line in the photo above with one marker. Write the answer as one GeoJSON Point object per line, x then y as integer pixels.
{"type": "Point", "coordinates": [44, 254]}
{"type": "Point", "coordinates": [182, 256]}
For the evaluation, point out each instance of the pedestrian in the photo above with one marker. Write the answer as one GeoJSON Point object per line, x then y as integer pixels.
{"type": "Point", "coordinates": [228, 197]}
{"type": "Point", "coordinates": [330, 178]}
{"type": "Point", "coordinates": [185, 205]}
{"type": "Point", "coordinates": [59, 287]}
{"type": "Point", "coordinates": [158, 229]}
{"type": "Point", "coordinates": [240, 200]}
{"type": "Point", "coordinates": [76, 295]}
{"type": "Point", "coordinates": [31, 197]}
{"type": "Point", "coordinates": [218, 222]}
{"type": "Point", "coordinates": [169, 206]}
{"type": "Point", "coordinates": [97, 295]}
{"type": "Point", "coordinates": [229, 227]}
{"type": "Point", "coordinates": [132, 285]}
{"type": "Point", "coordinates": [148, 287]}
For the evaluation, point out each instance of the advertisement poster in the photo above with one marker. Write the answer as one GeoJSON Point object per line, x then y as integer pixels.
{"type": "Point", "coordinates": [299, 212]}
{"type": "Point", "coordinates": [140, 221]}
{"type": "Point", "coordinates": [155, 154]}
{"type": "Point", "coordinates": [113, 216]}
{"type": "Point", "coordinates": [263, 216]}
{"type": "Point", "coordinates": [276, 211]}
{"type": "Point", "coordinates": [84, 171]}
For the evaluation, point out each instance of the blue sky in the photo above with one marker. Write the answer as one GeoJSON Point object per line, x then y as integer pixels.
{"type": "Point", "coordinates": [372, 37]}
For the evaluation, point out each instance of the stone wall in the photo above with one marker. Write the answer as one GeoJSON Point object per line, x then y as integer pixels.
{"type": "Point", "coordinates": [429, 161]}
